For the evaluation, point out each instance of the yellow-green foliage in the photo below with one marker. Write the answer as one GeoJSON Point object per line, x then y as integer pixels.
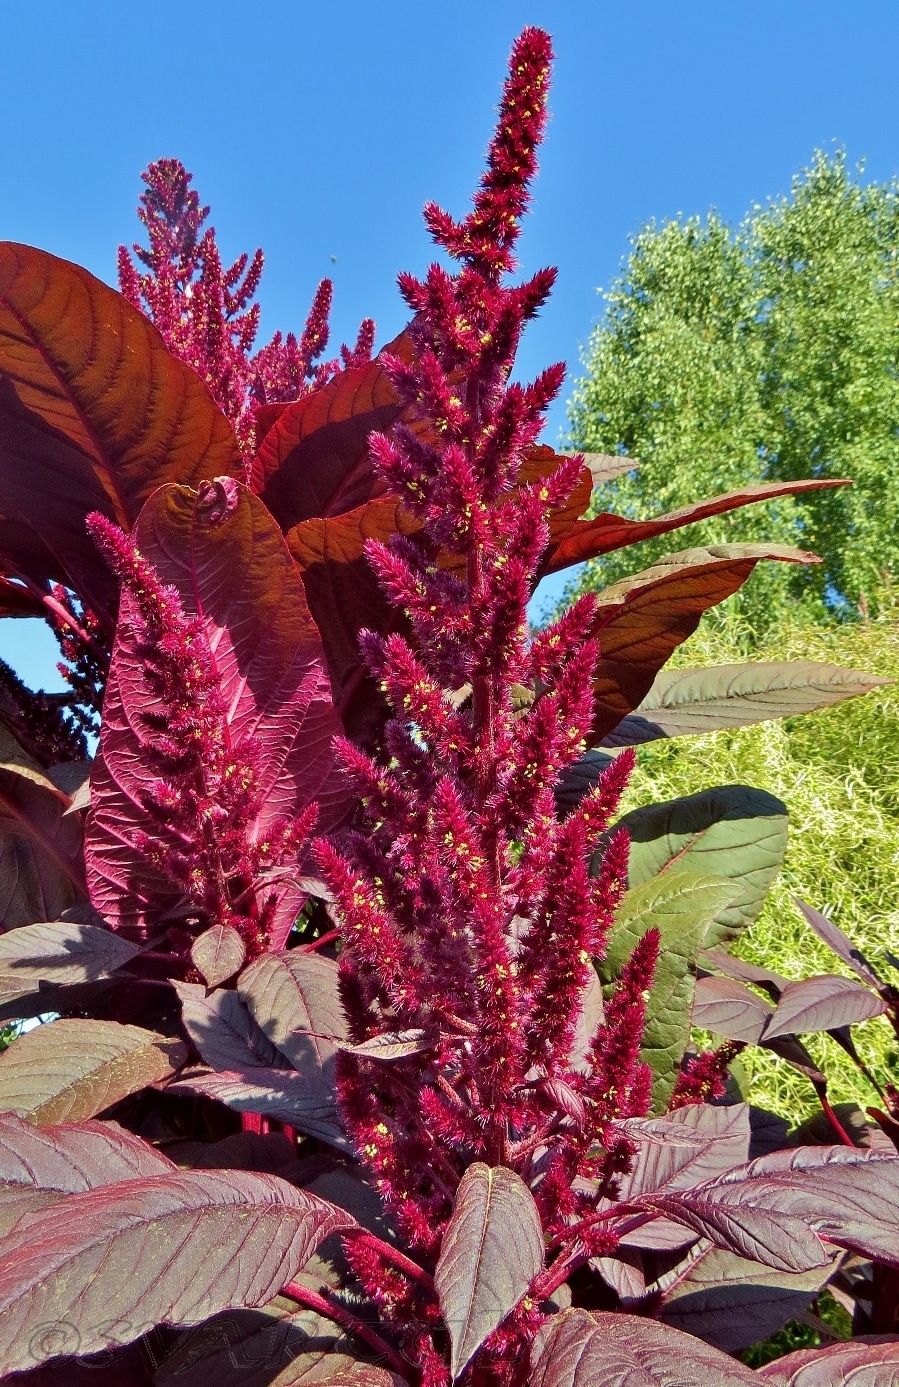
{"type": "Point", "coordinates": [838, 772]}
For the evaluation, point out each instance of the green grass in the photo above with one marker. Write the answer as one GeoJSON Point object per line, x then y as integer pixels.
{"type": "Point", "coordinates": [838, 772]}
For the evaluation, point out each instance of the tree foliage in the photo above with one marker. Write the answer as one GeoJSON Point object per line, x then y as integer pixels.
{"type": "Point", "coordinates": [762, 353]}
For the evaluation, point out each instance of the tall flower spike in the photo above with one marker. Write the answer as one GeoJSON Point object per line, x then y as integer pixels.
{"type": "Point", "coordinates": [468, 909]}
{"type": "Point", "coordinates": [486, 237]}
{"type": "Point", "coordinates": [207, 314]}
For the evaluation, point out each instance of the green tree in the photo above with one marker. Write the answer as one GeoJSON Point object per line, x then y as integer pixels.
{"type": "Point", "coordinates": [769, 351]}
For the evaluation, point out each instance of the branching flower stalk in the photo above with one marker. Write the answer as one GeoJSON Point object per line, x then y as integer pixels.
{"type": "Point", "coordinates": [469, 915]}
{"type": "Point", "coordinates": [207, 313]}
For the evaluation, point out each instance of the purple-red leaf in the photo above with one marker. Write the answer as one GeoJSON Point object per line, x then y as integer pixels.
{"type": "Point", "coordinates": [94, 415]}
{"type": "Point", "coordinates": [344, 596]}
{"type": "Point", "coordinates": [173, 1249]}
{"type": "Point", "coordinates": [734, 1303]}
{"type": "Point", "coordinates": [218, 953]}
{"type": "Point", "coordinates": [293, 998]}
{"type": "Point", "coordinates": [249, 1073]}
{"type": "Point", "coordinates": [741, 971]}
{"type": "Point", "coordinates": [70, 1070]}
{"type": "Point", "coordinates": [492, 1250]}
{"type": "Point", "coordinates": [18, 601]}
{"type": "Point", "coordinates": [730, 1009]}
{"type": "Point", "coordinates": [41, 862]}
{"type": "Point", "coordinates": [587, 539]}
{"type": "Point", "coordinates": [226, 557]}
{"type": "Point", "coordinates": [71, 1157]}
{"type": "Point", "coordinates": [841, 944]}
{"type": "Point", "coordinates": [577, 1349]}
{"type": "Point", "coordinates": [822, 1004]}
{"type": "Point", "coordinates": [276, 1346]}
{"type": "Point", "coordinates": [315, 459]}
{"type": "Point", "coordinates": [707, 1141]}
{"type": "Point", "coordinates": [58, 953]}
{"type": "Point", "coordinates": [644, 618]}
{"type": "Point", "coordinates": [777, 1208]}
{"type": "Point", "coordinates": [394, 1045]}
{"type": "Point", "coordinates": [868, 1361]}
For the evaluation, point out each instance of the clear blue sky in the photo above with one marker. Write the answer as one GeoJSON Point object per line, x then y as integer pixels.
{"type": "Point", "coordinates": [317, 131]}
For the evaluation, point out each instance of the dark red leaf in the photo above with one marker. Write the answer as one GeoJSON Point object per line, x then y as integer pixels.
{"type": "Point", "coordinates": [234, 571]}
{"type": "Point", "coordinates": [822, 1004]}
{"type": "Point", "coordinates": [248, 1073]}
{"type": "Point", "coordinates": [738, 968]}
{"type": "Point", "coordinates": [587, 539]}
{"type": "Point", "coordinates": [869, 1361]}
{"type": "Point", "coordinates": [41, 861]}
{"type": "Point", "coordinates": [841, 944]}
{"type": "Point", "coordinates": [777, 1208]}
{"type": "Point", "coordinates": [730, 1009]}
{"type": "Point", "coordinates": [734, 1303]}
{"type": "Point", "coordinates": [577, 1349]}
{"type": "Point", "coordinates": [707, 1141]}
{"type": "Point", "coordinates": [491, 1251]}
{"type": "Point", "coordinates": [344, 596]}
{"type": "Point", "coordinates": [58, 952]}
{"type": "Point", "coordinates": [644, 618]}
{"type": "Point", "coordinates": [218, 953]}
{"type": "Point", "coordinates": [172, 1249]}
{"type": "Point", "coordinates": [576, 780]}
{"type": "Point", "coordinates": [394, 1045]}
{"type": "Point", "coordinates": [277, 1346]}
{"type": "Point", "coordinates": [16, 600]}
{"type": "Point", "coordinates": [73, 1156]}
{"type": "Point", "coordinates": [72, 1069]}
{"type": "Point", "coordinates": [294, 999]}
{"type": "Point", "coordinates": [314, 459]}
{"type": "Point", "coordinates": [94, 415]}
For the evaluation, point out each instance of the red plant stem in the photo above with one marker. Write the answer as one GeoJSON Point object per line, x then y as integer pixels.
{"type": "Point", "coordinates": [392, 1255]}
{"type": "Point", "coordinates": [61, 614]}
{"type": "Point", "coordinates": [575, 1230]}
{"type": "Point", "coordinates": [542, 1287]}
{"type": "Point", "coordinates": [346, 1320]}
{"type": "Point", "coordinates": [328, 938]}
{"type": "Point", "coordinates": [835, 1123]}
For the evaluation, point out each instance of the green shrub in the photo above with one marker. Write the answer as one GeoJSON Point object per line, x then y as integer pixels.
{"type": "Point", "coordinates": [838, 772]}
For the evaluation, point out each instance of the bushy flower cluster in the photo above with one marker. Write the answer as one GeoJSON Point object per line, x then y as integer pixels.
{"type": "Point", "coordinates": [205, 793]}
{"type": "Point", "coordinates": [207, 314]}
{"type": "Point", "coordinates": [470, 916]}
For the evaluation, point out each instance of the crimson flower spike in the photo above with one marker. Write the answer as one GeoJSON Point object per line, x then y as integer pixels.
{"type": "Point", "coordinates": [207, 313]}
{"type": "Point", "coordinates": [469, 912]}
{"type": "Point", "coordinates": [203, 779]}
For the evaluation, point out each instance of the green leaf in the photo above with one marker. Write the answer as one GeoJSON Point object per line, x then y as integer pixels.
{"type": "Point", "coordinates": [681, 905]}
{"type": "Point", "coordinates": [732, 831]}
{"type": "Point", "coordinates": [683, 702]}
